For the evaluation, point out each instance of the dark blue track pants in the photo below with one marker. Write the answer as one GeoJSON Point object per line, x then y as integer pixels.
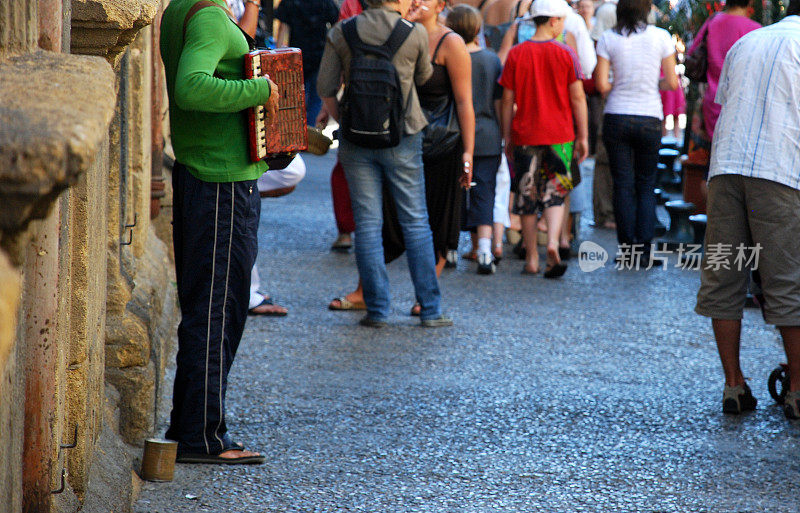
{"type": "Point", "coordinates": [214, 234]}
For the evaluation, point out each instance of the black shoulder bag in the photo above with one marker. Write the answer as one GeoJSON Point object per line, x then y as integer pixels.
{"type": "Point", "coordinates": [443, 133]}
{"type": "Point", "coordinates": [697, 62]}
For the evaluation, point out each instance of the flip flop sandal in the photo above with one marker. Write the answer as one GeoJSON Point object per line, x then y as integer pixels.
{"type": "Point", "coordinates": [339, 245]}
{"type": "Point", "coordinates": [215, 459]}
{"type": "Point", "coordinates": [266, 301]}
{"type": "Point", "coordinates": [555, 271]}
{"type": "Point", "coordinates": [416, 310]}
{"type": "Point", "coordinates": [564, 253]}
{"type": "Point", "coordinates": [344, 304]}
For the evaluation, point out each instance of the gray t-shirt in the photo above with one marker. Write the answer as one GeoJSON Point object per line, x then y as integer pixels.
{"type": "Point", "coordinates": [486, 69]}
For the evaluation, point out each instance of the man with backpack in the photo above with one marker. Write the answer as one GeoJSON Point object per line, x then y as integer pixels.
{"type": "Point", "coordinates": [381, 57]}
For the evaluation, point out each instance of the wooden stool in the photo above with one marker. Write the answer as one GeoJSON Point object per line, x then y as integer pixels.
{"type": "Point", "coordinates": [668, 179]}
{"type": "Point", "coordinates": [660, 228]}
{"type": "Point", "coordinates": [668, 156]}
{"type": "Point", "coordinates": [669, 143]}
{"type": "Point", "coordinates": [661, 197]}
{"type": "Point", "coordinates": [680, 230]}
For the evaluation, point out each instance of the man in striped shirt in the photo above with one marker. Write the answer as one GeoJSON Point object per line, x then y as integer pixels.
{"type": "Point", "coordinates": [754, 201]}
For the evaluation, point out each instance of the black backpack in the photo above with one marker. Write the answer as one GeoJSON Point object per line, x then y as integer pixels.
{"type": "Point", "coordinates": [372, 110]}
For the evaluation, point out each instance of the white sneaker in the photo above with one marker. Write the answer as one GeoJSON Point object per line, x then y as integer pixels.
{"type": "Point", "coordinates": [451, 259]}
{"type": "Point", "coordinates": [486, 263]}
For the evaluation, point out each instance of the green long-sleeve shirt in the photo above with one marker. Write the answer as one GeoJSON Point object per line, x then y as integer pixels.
{"type": "Point", "coordinates": [207, 116]}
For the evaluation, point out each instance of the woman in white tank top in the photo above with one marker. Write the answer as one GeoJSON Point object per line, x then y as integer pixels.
{"type": "Point", "coordinates": [634, 54]}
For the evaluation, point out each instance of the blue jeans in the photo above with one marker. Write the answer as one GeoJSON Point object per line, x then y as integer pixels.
{"type": "Point", "coordinates": [401, 169]}
{"type": "Point", "coordinates": [633, 143]}
{"type": "Point", "coordinates": [313, 101]}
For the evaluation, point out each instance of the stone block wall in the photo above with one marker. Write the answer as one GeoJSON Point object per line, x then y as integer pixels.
{"type": "Point", "coordinates": [140, 274]}
{"type": "Point", "coordinates": [86, 320]}
{"type": "Point", "coordinates": [88, 204]}
{"type": "Point", "coordinates": [50, 133]}
{"type": "Point", "coordinates": [18, 26]}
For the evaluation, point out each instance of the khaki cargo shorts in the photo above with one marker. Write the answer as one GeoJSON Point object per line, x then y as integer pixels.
{"type": "Point", "coordinates": [749, 212]}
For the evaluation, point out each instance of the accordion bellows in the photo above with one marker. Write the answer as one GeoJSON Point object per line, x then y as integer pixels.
{"type": "Point", "coordinates": [287, 133]}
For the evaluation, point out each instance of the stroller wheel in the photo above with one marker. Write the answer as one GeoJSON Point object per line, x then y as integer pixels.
{"type": "Point", "coordinates": [778, 383]}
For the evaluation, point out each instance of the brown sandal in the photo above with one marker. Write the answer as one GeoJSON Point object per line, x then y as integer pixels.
{"type": "Point", "coordinates": [345, 304]}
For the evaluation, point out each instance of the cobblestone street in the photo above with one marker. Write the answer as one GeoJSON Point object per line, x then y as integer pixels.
{"type": "Point", "coordinates": [599, 392]}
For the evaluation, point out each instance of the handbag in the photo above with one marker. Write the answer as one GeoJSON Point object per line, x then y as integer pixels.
{"type": "Point", "coordinates": [697, 62]}
{"type": "Point", "coordinates": [443, 134]}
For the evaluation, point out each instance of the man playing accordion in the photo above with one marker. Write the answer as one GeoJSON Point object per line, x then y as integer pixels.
{"type": "Point", "coordinates": [216, 214]}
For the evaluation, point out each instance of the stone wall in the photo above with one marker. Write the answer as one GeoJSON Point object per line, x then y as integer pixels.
{"type": "Point", "coordinates": [140, 274]}
{"type": "Point", "coordinates": [18, 26]}
{"type": "Point", "coordinates": [50, 133]}
{"type": "Point", "coordinates": [88, 204]}
{"type": "Point", "coordinates": [87, 301]}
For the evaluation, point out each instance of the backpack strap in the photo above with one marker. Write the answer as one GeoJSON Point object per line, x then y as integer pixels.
{"type": "Point", "coordinates": [516, 9]}
{"type": "Point", "coordinates": [357, 46]}
{"type": "Point", "coordinates": [387, 50]}
{"type": "Point", "coordinates": [398, 36]}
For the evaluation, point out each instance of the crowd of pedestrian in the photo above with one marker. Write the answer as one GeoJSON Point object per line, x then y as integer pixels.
{"type": "Point", "coordinates": [473, 116]}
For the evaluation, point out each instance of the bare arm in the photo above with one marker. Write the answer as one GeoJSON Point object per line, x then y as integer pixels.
{"type": "Point", "coordinates": [331, 106]}
{"type": "Point", "coordinates": [670, 81]}
{"type": "Point", "coordinates": [506, 115]}
{"type": "Point", "coordinates": [249, 20]}
{"type": "Point", "coordinates": [459, 68]}
{"type": "Point", "coordinates": [601, 75]}
{"type": "Point", "coordinates": [282, 39]}
{"type": "Point", "coordinates": [508, 42]}
{"type": "Point", "coordinates": [577, 99]}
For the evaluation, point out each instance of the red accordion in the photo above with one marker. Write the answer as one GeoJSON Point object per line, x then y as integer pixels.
{"type": "Point", "coordinates": [287, 132]}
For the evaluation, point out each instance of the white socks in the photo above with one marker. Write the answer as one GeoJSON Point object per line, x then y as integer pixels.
{"type": "Point", "coordinates": [484, 246]}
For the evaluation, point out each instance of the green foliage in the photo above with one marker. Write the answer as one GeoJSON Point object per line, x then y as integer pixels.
{"type": "Point", "coordinates": [689, 15]}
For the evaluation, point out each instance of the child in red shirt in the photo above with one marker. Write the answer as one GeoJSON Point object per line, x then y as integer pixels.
{"type": "Point", "coordinates": [542, 77]}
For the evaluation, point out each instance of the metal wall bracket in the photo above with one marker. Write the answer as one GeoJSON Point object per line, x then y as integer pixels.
{"type": "Point", "coordinates": [135, 220]}
{"type": "Point", "coordinates": [74, 438]}
{"type": "Point", "coordinates": [130, 227]}
{"type": "Point", "coordinates": [130, 239]}
{"type": "Point", "coordinates": [63, 482]}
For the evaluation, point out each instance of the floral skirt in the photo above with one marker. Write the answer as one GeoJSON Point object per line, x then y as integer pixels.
{"type": "Point", "coordinates": [542, 177]}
